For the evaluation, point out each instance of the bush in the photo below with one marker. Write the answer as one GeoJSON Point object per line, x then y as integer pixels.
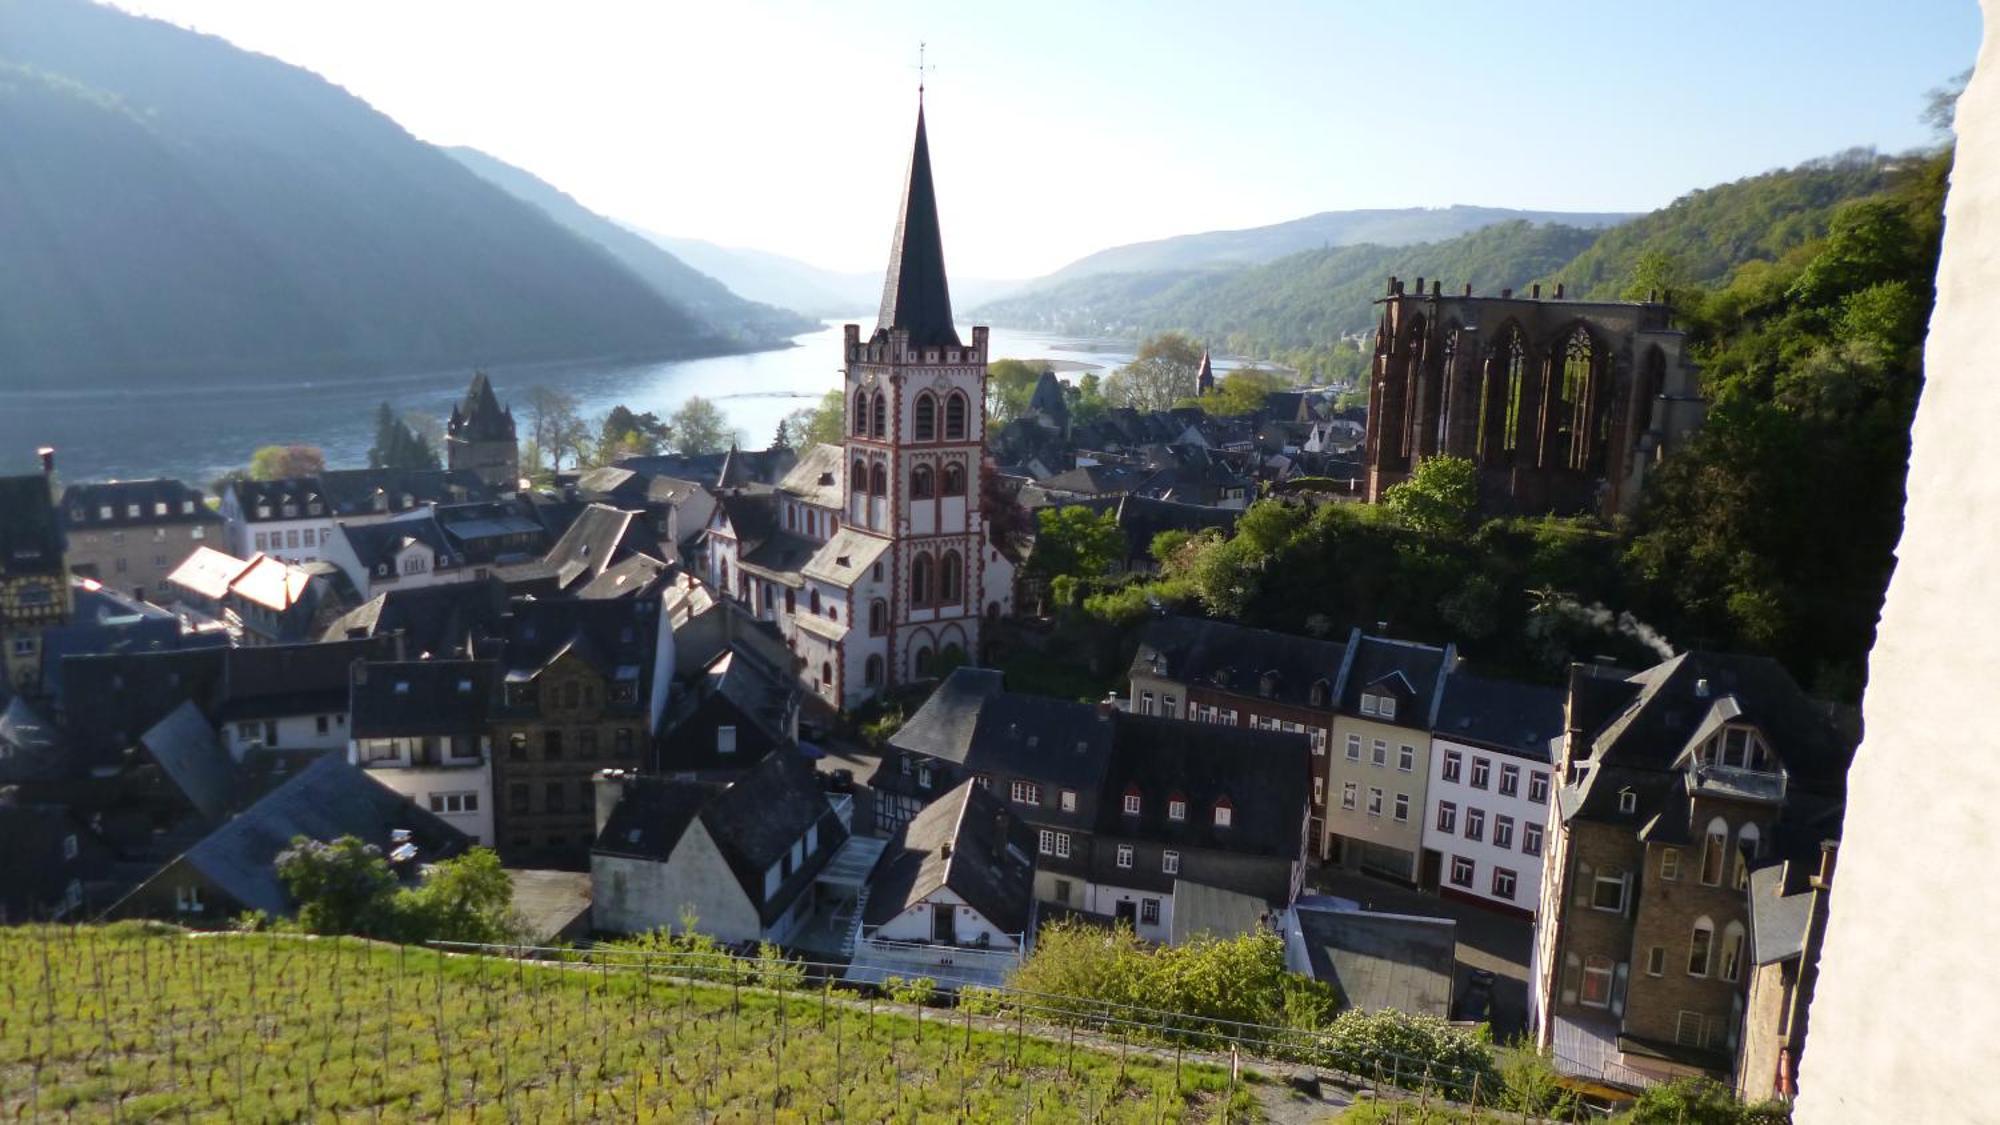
{"type": "Point", "coordinates": [346, 887]}
{"type": "Point", "coordinates": [1700, 1101]}
{"type": "Point", "coordinates": [1414, 1051]}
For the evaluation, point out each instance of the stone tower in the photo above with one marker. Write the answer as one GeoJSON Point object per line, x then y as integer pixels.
{"type": "Point", "coordinates": [480, 437]}
{"type": "Point", "coordinates": [916, 420]}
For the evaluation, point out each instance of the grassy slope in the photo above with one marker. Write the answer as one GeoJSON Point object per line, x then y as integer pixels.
{"type": "Point", "coordinates": [130, 1023]}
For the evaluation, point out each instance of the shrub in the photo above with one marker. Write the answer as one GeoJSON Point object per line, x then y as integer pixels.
{"type": "Point", "coordinates": [1414, 1051]}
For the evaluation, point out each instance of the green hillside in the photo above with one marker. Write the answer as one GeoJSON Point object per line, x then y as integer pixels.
{"type": "Point", "coordinates": [177, 208]}
{"type": "Point", "coordinates": [1702, 236]}
{"type": "Point", "coordinates": [131, 1023]}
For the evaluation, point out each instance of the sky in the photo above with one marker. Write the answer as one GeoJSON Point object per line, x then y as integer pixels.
{"type": "Point", "coordinates": [1060, 128]}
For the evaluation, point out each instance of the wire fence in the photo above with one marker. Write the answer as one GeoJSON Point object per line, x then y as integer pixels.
{"type": "Point", "coordinates": [1311, 1055]}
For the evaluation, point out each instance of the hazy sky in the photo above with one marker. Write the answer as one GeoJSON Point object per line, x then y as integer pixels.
{"type": "Point", "coordinates": [1061, 128]}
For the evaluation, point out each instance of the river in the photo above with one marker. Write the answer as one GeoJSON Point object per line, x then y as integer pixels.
{"type": "Point", "coordinates": [197, 433]}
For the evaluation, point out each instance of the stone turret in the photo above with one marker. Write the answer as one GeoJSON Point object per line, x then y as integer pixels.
{"type": "Point", "coordinates": [480, 437]}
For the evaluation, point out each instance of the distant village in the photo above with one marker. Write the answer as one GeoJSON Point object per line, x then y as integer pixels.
{"type": "Point", "coordinates": [640, 684]}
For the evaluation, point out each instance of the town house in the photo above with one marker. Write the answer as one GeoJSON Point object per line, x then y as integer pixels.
{"type": "Point", "coordinates": [1674, 785]}
{"type": "Point", "coordinates": [131, 534]}
{"type": "Point", "coordinates": [1379, 761]}
{"type": "Point", "coordinates": [1487, 810]}
{"type": "Point", "coordinates": [420, 728]}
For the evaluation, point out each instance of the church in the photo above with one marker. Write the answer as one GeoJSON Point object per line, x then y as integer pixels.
{"type": "Point", "coordinates": [872, 556]}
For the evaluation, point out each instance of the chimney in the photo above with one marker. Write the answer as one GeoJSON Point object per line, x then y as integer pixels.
{"type": "Point", "coordinates": [1104, 708]}
{"type": "Point", "coordinates": [1420, 285]}
{"type": "Point", "coordinates": [1828, 850]}
{"type": "Point", "coordinates": [1437, 287]}
{"type": "Point", "coordinates": [610, 787]}
{"type": "Point", "coordinates": [1468, 289]}
{"type": "Point", "coordinates": [48, 455]}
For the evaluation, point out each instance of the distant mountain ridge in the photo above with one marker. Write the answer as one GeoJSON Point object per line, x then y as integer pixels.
{"type": "Point", "coordinates": [177, 207]}
{"type": "Point", "coordinates": [792, 284]}
{"type": "Point", "coordinates": [1400, 226]}
{"type": "Point", "coordinates": [669, 276]}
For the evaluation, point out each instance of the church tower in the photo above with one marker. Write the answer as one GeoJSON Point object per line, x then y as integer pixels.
{"type": "Point", "coordinates": [916, 422]}
{"type": "Point", "coordinates": [480, 437]}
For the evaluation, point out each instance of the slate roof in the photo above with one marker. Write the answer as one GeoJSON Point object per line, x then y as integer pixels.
{"type": "Point", "coordinates": [816, 478]}
{"type": "Point", "coordinates": [970, 720]}
{"type": "Point", "coordinates": [108, 701]}
{"type": "Point", "coordinates": [160, 501]}
{"type": "Point", "coordinates": [377, 545]}
{"type": "Point", "coordinates": [266, 681]}
{"type": "Point", "coordinates": [598, 537]}
{"type": "Point", "coordinates": [183, 745]}
{"type": "Point", "coordinates": [1382, 960]}
{"type": "Point", "coordinates": [1413, 670]}
{"type": "Point", "coordinates": [479, 416]}
{"type": "Point", "coordinates": [753, 518]}
{"type": "Point", "coordinates": [1215, 911]}
{"type": "Point", "coordinates": [968, 842]}
{"type": "Point", "coordinates": [325, 801]}
{"type": "Point", "coordinates": [780, 557]}
{"type": "Point", "coordinates": [634, 576]}
{"type": "Point", "coordinates": [760, 466]}
{"type": "Point", "coordinates": [611, 482]}
{"type": "Point", "coordinates": [1516, 718]}
{"type": "Point", "coordinates": [1666, 709]}
{"type": "Point", "coordinates": [753, 821]}
{"type": "Point", "coordinates": [1780, 912]}
{"type": "Point", "coordinates": [844, 558]}
{"type": "Point", "coordinates": [31, 535]}
{"type": "Point", "coordinates": [1097, 480]}
{"type": "Point", "coordinates": [1049, 400]}
{"type": "Point", "coordinates": [435, 620]}
{"type": "Point", "coordinates": [1265, 776]}
{"type": "Point", "coordinates": [31, 748]}
{"type": "Point", "coordinates": [421, 697]}
{"type": "Point", "coordinates": [609, 635]}
{"type": "Point", "coordinates": [352, 492]}
{"type": "Point", "coordinates": [1199, 650]}
{"type": "Point", "coordinates": [915, 295]}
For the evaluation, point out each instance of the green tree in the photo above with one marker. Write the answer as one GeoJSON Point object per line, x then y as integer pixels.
{"type": "Point", "coordinates": [1087, 401]}
{"type": "Point", "coordinates": [464, 898]}
{"type": "Point", "coordinates": [278, 462]}
{"type": "Point", "coordinates": [1162, 374]}
{"type": "Point", "coordinates": [808, 426]}
{"type": "Point", "coordinates": [397, 445]}
{"type": "Point", "coordinates": [341, 888]}
{"type": "Point", "coordinates": [699, 427]}
{"type": "Point", "coordinates": [1010, 383]}
{"type": "Point", "coordinates": [1242, 391]}
{"type": "Point", "coordinates": [628, 433]}
{"type": "Point", "coordinates": [1076, 543]}
{"type": "Point", "coordinates": [555, 429]}
{"type": "Point", "coordinates": [1440, 498]}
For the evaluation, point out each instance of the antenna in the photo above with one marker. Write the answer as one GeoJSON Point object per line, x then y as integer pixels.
{"type": "Point", "coordinates": [922, 69]}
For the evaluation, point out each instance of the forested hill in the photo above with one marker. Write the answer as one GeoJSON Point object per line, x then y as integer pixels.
{"type": "Point", "coordinates": [1296, 308]}
{"type": "Point", "coordinates": [1399, 226]}
{"type": "Point", "coordinates": [670, 277]}
{"type": "Point", "coordinates": [175, 208]}
{"type": "Point", "coordinates": [1307, 300]}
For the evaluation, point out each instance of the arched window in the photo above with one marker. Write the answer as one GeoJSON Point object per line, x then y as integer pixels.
{"type": "Point", "coordinates": [815, 600]}
{"type": "Point", "coordinates": [878, 617]}
{"type": "Point", "coordinates": [791, 602]}
{"type": "Point", "coordinates": [920, 580]}
{"type": "Point", "coordinates": [722, 575]}
{"type": "Point", "coordinates": [1652, 384]}
{"type": "Point", "coordinates": [859, 481]}
{"type": "Point", "coordinates": [926, 417]}
{"type": "Point", "coordinates": [1700, 945]}
{"type": "Point", "coordinates": [922, 483]}
{"type": "Point", "coordinates": [1746, 850]}
{"type": "Point", "coordinates": [1514, 366]}
{"type": "Point", "coordinates": [951, 574]}
{"type": "Point", "coordinates": [1732, 951]}
{"type": "Point", "coordinates": [826, 672]}
{"type": "Point", "coordinates": [880, 421]}
{"type": "Point", "coordinates": [861, 413]}
{"type": "Point", "coordinates": [924, 660]}
{"type": "Point", "coordinates": [1712, 852]}
{"type": "Point", "coordinates": [878, 480]}
{"type": "Point", "coordinates": [1579, 394]}
{"type": "Point", "coordinates": [1597, 975]}
{"type": "Point", "coordinates": [871, 673]}
{"type": "Point", "coordinates": [954, 480]}
{"type": "Point", "coordinates": [954, 417]}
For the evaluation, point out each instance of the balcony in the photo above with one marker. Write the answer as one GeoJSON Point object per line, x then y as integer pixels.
{"type": "Point", "coordinates": [1739, 783]}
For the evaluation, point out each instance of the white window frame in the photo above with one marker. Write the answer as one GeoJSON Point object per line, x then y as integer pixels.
{"type": "Point", "coordinates": [1170, 862]}
{"type": "Point", "coordinates": [1024, 793]}
{"type": "Point", "coordinates": [1353, 747]}
{"type": "Point", "coordinates": [1447, 817]}
{"type": "Point", "coordinates": [1374, 800]}
{"type": "Point", "coordinates": [1406, 758]}
{"type": "Point", "coordinates": [1401, 809]}
{"type": "Point", "coordinates": [1177, 808]}
{"type": "Point", "coordinates": [1067, 800]}
{"type": "Point", "coordinates": [1350, 794]}
{"type": "Point", "coordinates": [1132, 804]}
{"type": "Point", "coordinates": [1125, 857]}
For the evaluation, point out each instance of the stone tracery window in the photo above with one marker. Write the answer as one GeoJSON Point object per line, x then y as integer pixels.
{"type": "Point", "coordinates": [953, 480]}
{"type": "Point", "coordinates": [954, 417]}
{"type": "Point", "coordinates": [879, 421]}
{"type": "Point", "coordinates": [926, 417]}
{"type": "Point", "coordinates": [951, 576]}
{"type": "Point", "coordinates": [922, 483]}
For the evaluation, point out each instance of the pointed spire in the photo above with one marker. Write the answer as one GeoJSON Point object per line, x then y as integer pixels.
{"type": "Point", "coordinates": [1204, 380]}
{"type": "Point", "coordinates": [915, 295]}
{"type": "Point", "coordinates": [734, 474]}
{"type": "Point", "coordinates": [480, 417]}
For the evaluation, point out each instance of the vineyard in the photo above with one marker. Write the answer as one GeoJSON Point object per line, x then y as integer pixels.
{"type": "Point", "coordinates": [131, 1022]}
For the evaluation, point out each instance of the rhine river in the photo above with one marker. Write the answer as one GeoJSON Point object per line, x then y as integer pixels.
{"type": "Point", "coordinates": [197, 433]}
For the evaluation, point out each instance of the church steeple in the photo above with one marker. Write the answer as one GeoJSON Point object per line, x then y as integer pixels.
{"type": "Point", "coordinates": [915, 296]}
{"type": "Point", "coordinates": [1204, 380]}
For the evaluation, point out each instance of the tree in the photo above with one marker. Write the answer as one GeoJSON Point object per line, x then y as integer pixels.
{"type": "Point", "coordinates": [808, 426]}
{"type": "Point", "coordinates": [1010, 383]}
{"type": "Point", "coordinates": [555, 428]}
{"type": "Point", "coordinates": [1161, 374]}
{"type": "Point", "coordinates": [341, 888]}
{"type": "Point", "coordinates": [397, 446]}
{"type": "Point", "coordinates": [346, 887]}
{"type": "Point", "coordinates": [625, 433]}
{"type": "Point", "coordinates": [277, 462]}
{"type": "Point", "coordinates": [1440, 498]}
{"type": "Point", "coordinates": [1076, 543]}
{"type": "Point", "coordinates": [699, 427]}
{"type": "Point", "coordinates": [1087, 402]}
{"type": "Point", "coordinates": [1242, 391]}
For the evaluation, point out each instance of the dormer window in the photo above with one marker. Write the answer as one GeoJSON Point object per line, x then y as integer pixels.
{"type": "Point", "coordinates": [1267, 684]}
{"type": "Point", "coordinates": [132, 511]}
{"type": "Point", "coordinates": [263, 512]}
{"type": "Point", "coordinates": [1225, 813]}
{"type": "Point", "coordinates": [1176, 808]}
{"type": "Point", "coordinates": [1320, 691]}
{"type": "Point", "coordinates": [1628, 801]}
{"type": "Point", "coordinates": [1377, 705]}
{"type": "Point", "coordinates": [1132, 802]}
{"type": "Point", "coordinates": [187, 507]}
{"type": "Point", "coordinates": [159, 507]}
